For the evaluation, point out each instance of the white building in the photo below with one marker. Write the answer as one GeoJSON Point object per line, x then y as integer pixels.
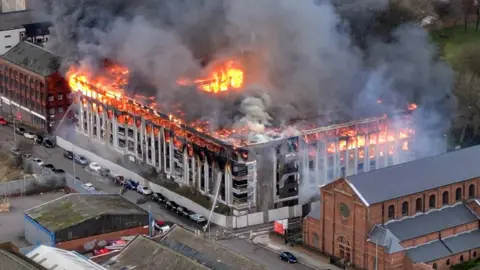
{"type": "Point", "coordinates": [12, 29]}
{"type": "Point", "coordinates": [13, 5]}
{"type": "Point", "coordinates": [59, 259]}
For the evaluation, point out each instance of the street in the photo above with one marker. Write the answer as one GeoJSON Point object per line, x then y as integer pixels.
{"type": "Point", "coordinates": [55, 157]}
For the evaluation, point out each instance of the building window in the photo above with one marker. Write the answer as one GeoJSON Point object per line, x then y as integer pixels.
{"type": "Point", "coordinates": [405, 209]}
{"type": "Point", "coordinates": [471, 191]}
{"type": "Point", "coordinates": [391, 212]}
{"type": "Point", "coordinates": [461, 258]}
{"type": "Point", "coordinates": [51, 97]}
{"type": "Point", "coordinates": [474, 254]}
{"type": "Point", "coordinates": [60, 109]}
{"type": "Point", "coordinates": [448, 262]}
{"type": "Point", "coordinates": [445, 198]}
{"type": "Point", "coordinates": [418, 205]}
{"type": "Point", "coordinates": [458, 194]}
{"type": "Point", "coordinates": [8, 47]}
{"type": "Point", "coordinates": [434, 266]}
{"type": "Point", "coordinates": [51, 111]}
{"type": "Point", "coordinates": [315, 239]}
{"type": "Point", "coordinates": [8, 36]}
{"type": "Point", "coordinates": [432, 202]}
{"type": "Point", "coordinates": [60, 96]}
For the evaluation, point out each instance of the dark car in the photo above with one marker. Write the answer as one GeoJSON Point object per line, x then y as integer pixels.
{"type": "Point", "coordinates": [104, 172]}
{"type": "Point", "coordinates": [20, 130]}
{"type": "Point", "coordinates": [59, 171]}
{"type": "Point", "coordinates": [185, 212]}
{"type": "Point", "coordinates": [49, 166]}
{"type": "Point", "coordinates": [39, 139]}
{"type": "Point", "coordinates": [48, 143]}
{"type": "Point", "coordinates": [180, 210]}
{"type": "Point", "coordinates": [130, 184]}
{"type": "Point", "coordinates": [117, 178]}
{"type": "Point", "coordinates": [171, 205]}
{"type": "Point", "coordinates": [158, 197]}
{"type": "Point", "coordinates": [288, 257]}
{"type": "Point", "coordinates": [68, 154]}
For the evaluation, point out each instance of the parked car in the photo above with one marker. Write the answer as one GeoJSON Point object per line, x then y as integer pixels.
{"type": "Point", "coordinates": [20, 130]}
{"type": "Point", "coordinates": [288, 257]}
{"type": "Point", "coordinates": [101, 251]}
{"type": "Point", "coordinates": [3, 122]}
{"type": "Point", "coordinates": [198, 218]}
{"type": "Point", "coordinates": [38, 161]}
{"type": "Point", "coordinates": [185, 212]}
{"type": "Point", "coordinates": [104, 172]}
{"type": "Point", "coordinates": [59, 171]}
{"type": "Point", "coordinates": [179, 210]}
{"type": "Point", "coordinates": [95, 167]}
{"type": "Point", "coordinates": [130, 184]}
{"type": "Point", "coordinates": [117, 178]}
{"type": "Point", "coordinates": [143, 190]}
{"type": "Point", "coordinates": [89, 186]}
{"type": "Point", "coordinates": [158, 197]}
{"type": "Point", "coordinates": [29, 135]}
{"type": "Point", "coordinates": [162, 228]}
{"type": "Point", "coordinates": [79, 159]}
{"type": "Point", "coordinates": [48, 143]}
{"type": "Point", "coordinates": [26, 155]}
{"type": "Point", "coordinates": [16, 151]}
{"type": "Point", "coordinates": [49, 166]}
{"type": "Point", "coordinates": [171, 205]}
{"type": "Point", "coordinates": [39, 139]}
{"type": "Point", "coordinates": [68, 154]}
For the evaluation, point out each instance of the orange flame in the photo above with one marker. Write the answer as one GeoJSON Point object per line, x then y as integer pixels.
{"type": "Point", "coordinates": [223, 78]}
{"type": "Point", "coordinates": [412, 107]}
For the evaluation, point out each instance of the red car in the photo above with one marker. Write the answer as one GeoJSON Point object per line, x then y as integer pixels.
{"type": "Point", "coordinates": [3, 122]}
{"type": "Point", "coordinates": [101, 251]}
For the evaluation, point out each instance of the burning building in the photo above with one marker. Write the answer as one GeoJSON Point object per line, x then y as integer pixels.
{"type": "Point", "coordinates": [243, 169]}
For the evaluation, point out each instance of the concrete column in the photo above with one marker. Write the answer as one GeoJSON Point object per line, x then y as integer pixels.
{"type": "Point", "coordinates": [164, 152]}
{"type": "Point", "coordinates": [228, 186]}
{"type": "Point", "coordinates": [152, 148]}
{"type": "Point", "coordinates": [160, 149]}
{"type": "Point", "coordinates": [115, 132]}
{"type": "Point", "coordinates": [274, 177]}
{"type": "Point", "coordinates": [355, 169]}
{"type": "Point", "coordinates": [99, 127]}
{"type": "Point", "coordinates": [347, 160]}
{"type": "Point", "coordinates": [142, 142]}
{"type": "Point", "coordinates": [199, 169]}
{"type": "Point", "coordinates": [398, 146]}
{"type": "Point", "coordinates": [170, 145]}
{"type": "Point", "coordinates": [386, 148]}
{"type": "Point", "coordinates": [377, 148]}
{"type": "Point", "coordinates": [366, 156]}
{"type": "Point", "coordinates": [336, 160]}
{"type": "Point", "coordinates": [192, 168]}
{"type": "Point", "coordinates": [186, 166]}
{"type": "Point", "coordinates": [207, 177]}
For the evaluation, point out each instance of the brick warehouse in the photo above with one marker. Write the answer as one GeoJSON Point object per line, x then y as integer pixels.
{"type": "Point", "coordinates": [72, 221]}
{"type": "Point", "coordinates": [422, 214]}
{"type": "Point", "coordinates": [31, 88]}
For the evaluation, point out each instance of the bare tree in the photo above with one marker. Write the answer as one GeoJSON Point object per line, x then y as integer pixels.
{"type": "Point", "coordinates": [468, 118]}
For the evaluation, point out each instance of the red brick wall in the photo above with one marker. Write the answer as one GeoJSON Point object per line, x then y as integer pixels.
{"type": "Point", "coordinates": [311, 227]}
{"type": "Point", "coordinates": [78, 244]}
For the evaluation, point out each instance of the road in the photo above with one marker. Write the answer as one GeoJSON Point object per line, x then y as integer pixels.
{"type": "Point", "coordinates": [55, 157]}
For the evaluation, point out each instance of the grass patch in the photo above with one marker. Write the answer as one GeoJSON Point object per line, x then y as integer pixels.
{"type": "Point", "coordinates": [452, 40]}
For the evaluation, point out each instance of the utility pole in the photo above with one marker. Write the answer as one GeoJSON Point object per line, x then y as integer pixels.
{"type": "Point", "coordinates": [73, 163]}
{"type": "Point", "coordinates": [14, 132]}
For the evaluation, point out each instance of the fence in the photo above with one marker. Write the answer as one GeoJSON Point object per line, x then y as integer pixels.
{"type": "Point", "coordinates": [41, 180]}
{"type": "Point", "coordinates": [221, 220]}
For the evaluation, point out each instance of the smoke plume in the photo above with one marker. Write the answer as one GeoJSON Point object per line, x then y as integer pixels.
{"type": "Point", "coordinates": [301, 58]}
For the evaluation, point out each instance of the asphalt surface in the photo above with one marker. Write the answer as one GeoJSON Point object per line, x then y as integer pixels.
{"type": "Point", "coordinates": [55, 156]}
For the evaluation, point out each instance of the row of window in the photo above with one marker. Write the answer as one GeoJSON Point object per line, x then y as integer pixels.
{"type": "Point", "coordinates": [435, 266]}
{"type": "Point", "coordinates": [432, 202]}
{"type": "Point", "coordinates": [14, 76]}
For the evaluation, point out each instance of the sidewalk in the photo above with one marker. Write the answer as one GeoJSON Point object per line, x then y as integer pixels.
{"type": "Point", "coordinates": [304, 256]}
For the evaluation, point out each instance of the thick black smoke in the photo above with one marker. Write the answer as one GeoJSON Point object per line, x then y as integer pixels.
{"type": "Point", "coordinates": [300, 54]}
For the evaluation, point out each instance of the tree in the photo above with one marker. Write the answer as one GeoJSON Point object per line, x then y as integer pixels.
{"type": "Point", "coordinates": [467, 123]}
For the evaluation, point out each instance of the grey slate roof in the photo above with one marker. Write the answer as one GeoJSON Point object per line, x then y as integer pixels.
{"type": "Point", "coordinates": [77, 207]}
{"type": "Point", "coordinates": [446, 247]}
{"type": "Point", "coordinates": [145, 254]}
{"type": "Point", "coordinates": [417, 176]}
{"type": "Point", "coordinates": [206, 252]}
{"type": "Point", "coordinates": [16, 19]}
{"type": "Point", "coordinates": [386, 239]}
{"type": "Point", "coordinates": [433, 221]}
{"type": "Point", "coordinates": [316, 210]}
{"type": "Point", "coordinates": [33, 58]}
{"type": "Point", "coordinates": [9, 260]}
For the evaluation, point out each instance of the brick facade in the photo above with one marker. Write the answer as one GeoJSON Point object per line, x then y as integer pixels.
{"type": "Point", "coordinates": [345, 223]}
{"type": "Point", "coordinates": [78, 244]}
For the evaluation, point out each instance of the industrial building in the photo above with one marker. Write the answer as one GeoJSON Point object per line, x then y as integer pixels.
{"type": "Point", "coordinates": [12, 258]}
{"type": "Point", "coordinates": [178, 249]}
{"type": "Point", "coordinates": [423, 214]}
{"type": "Point", "coordinates": [71, 221]}
{"type": "Point", "coordinates": [59, 259]}
{"type": "Point", "coordinates": [249, 176]}
{"type": "Point", "coordinates": [31, 88]}
{"type": "Point", "coordinates": [21, 25]}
